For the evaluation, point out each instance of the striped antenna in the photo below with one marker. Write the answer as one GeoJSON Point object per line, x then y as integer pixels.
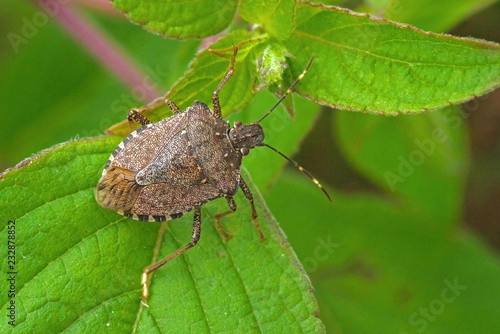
{"type": "Point", "coordinates": [289, 90]}
{"type": "Point", "coordinates": [299, 167]}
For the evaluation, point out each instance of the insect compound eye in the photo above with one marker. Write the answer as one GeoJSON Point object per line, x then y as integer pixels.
{"type": "Point", "coordinates": [244, 151]}
{"type": "Point", "coordinates": [237, 124]}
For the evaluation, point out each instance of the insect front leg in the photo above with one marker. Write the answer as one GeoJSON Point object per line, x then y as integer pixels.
{"type": "Point", "coordinates": [194, 239]}
{"type": "Point", "coordinates": [229, 73]}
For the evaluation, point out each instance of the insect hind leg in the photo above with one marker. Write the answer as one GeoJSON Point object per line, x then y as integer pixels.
{"type": "Point", "coordinates": [194, 239]}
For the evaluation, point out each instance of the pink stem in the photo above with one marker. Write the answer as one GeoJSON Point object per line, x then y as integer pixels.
{"type": "Point", "coordinates": [102, 47]}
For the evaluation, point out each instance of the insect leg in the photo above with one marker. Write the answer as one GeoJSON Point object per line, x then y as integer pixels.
{"type": "Point", "coordinates": [229, 73]}
{"type": "Point", "coordinates": [194, 239]}
{"type": "Point", "coordinates": [175, 109]}
{"type": "Point", "coordinates": [135, 115]}
{"type": "Point", "coordinates": [232, 207]}
{"type": "Point", "coordinates": [249, 196]}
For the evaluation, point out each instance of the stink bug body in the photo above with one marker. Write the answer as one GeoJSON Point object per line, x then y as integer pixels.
{"type": "Point", "coordinates": [168, 168]}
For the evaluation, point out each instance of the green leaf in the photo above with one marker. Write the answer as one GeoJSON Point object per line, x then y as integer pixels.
{"type": "Point", "coordinates": [369, 64]}
{"type": "Point", "coordinates": [79, 266]}
{"type": "Point", "coordinates": [205, 74]}
{"type": "Point", "coordinates": [178, 19]}
{"type": "Point", "coordinates": [271, 65]}
{"type": "Point", "coordinates": [377, 267]}
{"type": "Point", "coordinates": [276, 16]}
{"type": "Point", "coordinates": [420, 159]}
{"type": "Point", "coordinates": [437, 16]}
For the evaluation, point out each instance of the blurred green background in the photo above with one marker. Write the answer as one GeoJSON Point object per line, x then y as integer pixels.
{"type": "Point", "coordinates": [379, 258]}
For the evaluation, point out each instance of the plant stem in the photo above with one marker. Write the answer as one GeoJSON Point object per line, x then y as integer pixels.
{"type": "Point", "coordinates": [101, 46]}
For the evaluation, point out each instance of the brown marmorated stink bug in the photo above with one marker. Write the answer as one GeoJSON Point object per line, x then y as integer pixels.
{"type": "Point", "coordinates": [165, 169]}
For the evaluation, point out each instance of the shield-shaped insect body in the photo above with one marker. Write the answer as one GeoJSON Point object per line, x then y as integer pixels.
{"type": "Point", "coordinates": [168, 168]}
{"type": "Point", "coordinates": [165, 169]}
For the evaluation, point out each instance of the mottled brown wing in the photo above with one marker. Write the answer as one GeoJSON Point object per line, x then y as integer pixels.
{"type": "Point", "coordinates": [174, 164]}
{"type": "Point", "coordinates": [143, 145]}
{"type": "Point", "coordinates": [162, 199]}
{"type": "Point", "coordinates": [209, 138]}
{"type": "Point", "coordinates": [117, 189]}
